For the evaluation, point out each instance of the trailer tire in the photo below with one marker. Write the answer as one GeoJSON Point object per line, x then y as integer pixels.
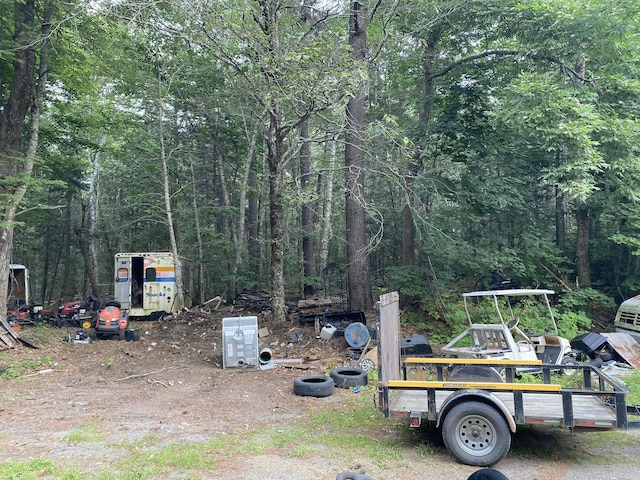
{"type": "Point", "coordinates": [345, 377]}
{"type": "Point", "coordinates": [476, 434]}
{"type": "Point", "coordinates": [313, 386]}
{"type": "Point", "coordinates": [487, 474]}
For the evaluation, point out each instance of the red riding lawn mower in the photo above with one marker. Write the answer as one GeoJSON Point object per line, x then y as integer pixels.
{"type": "Point", "coordinates": [21, 314]}
{"type": "Point", "coordinates": [111, 321]}
{"type": "Point", "coordinates": [78, 313]}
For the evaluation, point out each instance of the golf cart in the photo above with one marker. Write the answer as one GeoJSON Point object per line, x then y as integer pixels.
{"type": "Point", "coordinates": [496, 340]}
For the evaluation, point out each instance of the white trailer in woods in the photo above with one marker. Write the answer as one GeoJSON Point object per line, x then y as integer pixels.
{"type": "Point", "coordinates": [478, 416]}
{"type": "Point", "coordinates": [147, 284]}
{"type": "Point", "coordinates": [18, 286]}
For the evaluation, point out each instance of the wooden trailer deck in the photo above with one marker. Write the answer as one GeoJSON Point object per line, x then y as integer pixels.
{"type": "Point", "coordinates": [598, 403]}
{"type": "Point", "coordinates": [537, 408]}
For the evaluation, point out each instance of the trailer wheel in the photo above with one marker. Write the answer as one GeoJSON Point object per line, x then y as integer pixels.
{"type": "Point", "coordinates": [313, 386]}
{"type": "Point", "coordinates": [346, 377]}
{"type": "Point", "coordinates": [476, 434]}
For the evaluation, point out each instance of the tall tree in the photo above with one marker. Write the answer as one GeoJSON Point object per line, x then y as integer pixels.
{"type": "Point", "coordinates": [358, 277]}
{"type": "Point", "coordinates": [28, 43]}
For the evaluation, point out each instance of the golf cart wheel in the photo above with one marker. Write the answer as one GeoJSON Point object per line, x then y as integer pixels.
{"type": "Point", "coordinates": [345, 377]}
{"type": "Point", "coordinates": [566, 360]}
{"type": "Point", "coordinates": [368, 365]}
{"type": "Point", "coordinates": [476, 434]}
{"type": "Point", "coordinates": [313, 386]}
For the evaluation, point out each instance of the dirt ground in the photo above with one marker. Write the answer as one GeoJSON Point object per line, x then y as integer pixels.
{"type": "Point", "coordinates": [171, 385]}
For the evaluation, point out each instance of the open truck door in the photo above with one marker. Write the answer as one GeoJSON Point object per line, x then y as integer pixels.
{"type": "Point", "coordinates": [123, 281]}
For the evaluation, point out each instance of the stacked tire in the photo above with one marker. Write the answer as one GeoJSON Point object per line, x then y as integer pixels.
{"type": "Point", "coordinates": [323, 386]}
{"type": "Point", "coordinates": [347, 377]}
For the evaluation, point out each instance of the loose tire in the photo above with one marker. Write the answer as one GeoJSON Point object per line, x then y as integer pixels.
{"type": "Point", "coordinates": [487, 474]}
{"type": "Point", "coordinates": [345, 377]}
{"type": "Point", "coordinates": [313, 386]}
{"type": "Point", "coordinates": [476, 434]}
{"type": "Point", "coordinates": [353, 476]}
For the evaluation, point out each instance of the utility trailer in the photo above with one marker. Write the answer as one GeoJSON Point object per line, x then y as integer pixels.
{"type": "Point", "coordinates": [147, 284]}
{"type": "Point", "coordinates": [478, 416]}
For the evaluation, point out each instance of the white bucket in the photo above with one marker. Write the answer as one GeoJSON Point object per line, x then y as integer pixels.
{"type": "Point", "coordinates": [327, 332]}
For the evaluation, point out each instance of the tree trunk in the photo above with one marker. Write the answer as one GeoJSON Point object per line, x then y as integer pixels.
{"type": "Point", "coordinates": [179, 294]}
{"type": "Point", "coordinates": [253, 246]}
{"type": "Point", "coordinates": [198, 295]}
{"type": "Point", "coordinates": [328, 204]}
{"type": "Point", "coordinates": [89, 234]}
{"type": "Point", "coordinates": [306, 215]}
{"type": "Point", "coordinates": [358, 278]}
{"type": "Point", "coordinates": [14, 114]}
{"type": "Point", "coordinates": [276, 214]}
{"type": "Point", "coordinates": [241, 251]}
{"type": "Point", "coordinates": [582, 246]}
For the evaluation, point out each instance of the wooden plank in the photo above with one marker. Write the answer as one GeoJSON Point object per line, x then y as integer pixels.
{"type": "Point", "coordinates": [388, 319]}
{"type": "Point", "coordinates": [314, 302]}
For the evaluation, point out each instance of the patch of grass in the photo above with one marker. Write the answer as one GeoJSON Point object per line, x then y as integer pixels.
{"type": "Point", "coordinates": [41, 334]}
{"type": "Point", "coordinates": [86, 433]}
{"type": "Point", "coordinates": [426, 450]}
{"type": "Point", "coordinates": [186, 460]}
{"type": "Point", "coordinates": [632, 382]}
{"type": "Point", "coordinates": [146, 441]}
{"type": "Point", "coordinates": [23, 470]}
{"type": "Point", "coordinates": [17, 369]}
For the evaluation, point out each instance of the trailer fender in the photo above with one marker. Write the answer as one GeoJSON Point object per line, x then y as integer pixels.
{"type": "Point", "coordinates": [483, 396]}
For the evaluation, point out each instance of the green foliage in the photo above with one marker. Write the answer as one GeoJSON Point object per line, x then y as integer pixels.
{"type": "Point", "coordinates": [572, 324]}
{"type": "Point", "coordinates": [409, 281]}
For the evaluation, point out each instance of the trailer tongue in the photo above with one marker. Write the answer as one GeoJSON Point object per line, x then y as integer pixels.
{"type": "Point", "coordinates": [479, 413]}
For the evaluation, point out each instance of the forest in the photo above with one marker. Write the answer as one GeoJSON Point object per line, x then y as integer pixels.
{"type": "Point", "coordinates": [296, 147]}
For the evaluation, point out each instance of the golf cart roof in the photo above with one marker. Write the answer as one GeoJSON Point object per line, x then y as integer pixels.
{"type": "Point", "coordinates": [514, 292]}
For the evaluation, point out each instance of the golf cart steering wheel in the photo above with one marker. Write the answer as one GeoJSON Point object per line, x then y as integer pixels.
{"type": "Point", "coordinates": [513, 325]}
